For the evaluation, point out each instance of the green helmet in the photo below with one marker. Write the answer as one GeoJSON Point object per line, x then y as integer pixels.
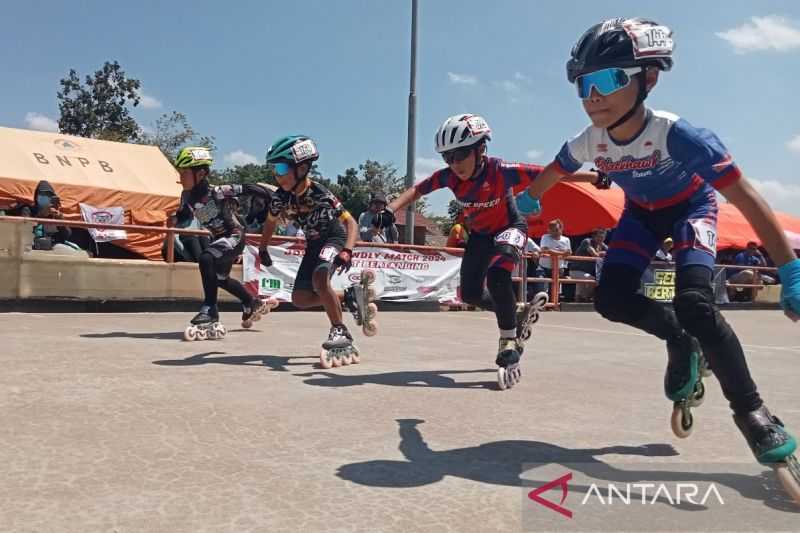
{"type": "Point", "coordinates": [194, 156]}
{"type": "Point", "coordinates": [293, 148]}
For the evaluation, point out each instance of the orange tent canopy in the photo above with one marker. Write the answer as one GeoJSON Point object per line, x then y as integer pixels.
{"type": "Point", "coordinates": [583, 208]}
{"type": "Point", "coordinates": [99, 173]}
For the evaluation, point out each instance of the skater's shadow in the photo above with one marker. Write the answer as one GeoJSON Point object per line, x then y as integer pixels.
{"type": "Point", "coordinates": [278, 363]}
{"type": "Point", "coordinates": [169, 335]}
{"type": "Point", "coordinates": [432, 378]}
{"type": "Point", "coordinates": [502, 463]}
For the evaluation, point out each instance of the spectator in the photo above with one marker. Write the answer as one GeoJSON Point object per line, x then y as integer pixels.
{"type": "Point", "coordinates": [459, 234]}
{"type": "Point", "coordinates": [593, 246]}
{"type": "Point", "coordinates": [664, 253]}
{"type": "Point", "coordinates": [554, 240]}
{"type": "Point", "coordinates": [533, 270]}
{"type": "Point", "coordinates": [53, 237]}
{"type": "Point", "coordinates": [753, 257]}
{"type": "Point", "coordinates": [368, 227]}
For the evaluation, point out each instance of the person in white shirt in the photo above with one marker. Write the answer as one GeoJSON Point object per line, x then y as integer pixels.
{"type": "Point", "coordinates": [555, 240]}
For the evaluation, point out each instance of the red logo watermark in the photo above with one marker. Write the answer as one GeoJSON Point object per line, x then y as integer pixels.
{"type": "Point", "coordinates": [557, 507]}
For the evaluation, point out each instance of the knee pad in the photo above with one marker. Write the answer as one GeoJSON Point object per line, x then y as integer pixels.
{"type": "Point", "coordinates": [696, 311]}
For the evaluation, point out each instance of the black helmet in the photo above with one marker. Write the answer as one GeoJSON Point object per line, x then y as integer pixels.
{"type": "Point", "coordinates": [621, 43]}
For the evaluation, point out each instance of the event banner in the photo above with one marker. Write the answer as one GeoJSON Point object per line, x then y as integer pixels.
{"type": "Point", "coordinates": [104, 215]}
{"type": "Point", "coordinates": [401, 275]}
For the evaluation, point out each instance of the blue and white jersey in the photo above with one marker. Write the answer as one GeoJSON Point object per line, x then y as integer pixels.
{"type": "Point", "coordinates": [667, 163]}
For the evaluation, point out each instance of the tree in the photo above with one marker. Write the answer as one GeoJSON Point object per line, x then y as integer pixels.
{"type": "Point", "coordinates": [355, 186]}
{"type": "Point", "coordinates": [250, 173]}
{"type": "Point", "coordinates": [99, 108]}
{"type": "Point", "coordinates": [171, 132]}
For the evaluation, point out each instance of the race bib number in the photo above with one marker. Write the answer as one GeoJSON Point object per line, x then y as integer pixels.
{"type": "Point", "coordinates": [512, 236]}
{"type": "Point", "coordinates": [328, 253]}
{"type": "Point", "coordinates": [705, 235]}
{"type": "Point", "coordinates": [649, 41]}
{"type": "Point", "coordinates": [206, 213]}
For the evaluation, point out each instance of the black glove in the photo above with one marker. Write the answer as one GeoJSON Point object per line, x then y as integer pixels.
{"type": "Point", "coordinates": [603, 181]}
{"type": "Point", "coordinates": [263, 255]}
{"type": "Point", "coordinates": [343, 260]}
{"type": "Point", "coordinates": [384, 219]}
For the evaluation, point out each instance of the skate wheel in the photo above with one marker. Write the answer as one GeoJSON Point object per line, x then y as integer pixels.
{"type": "Point", "coordinates": [202, 334]}
{"type": "Point", "coordinates": [699, 394]}
{"type": "Point", "coordinates": [534, 318]}
{"type": "Point", "coordinates": [370, 329]}
{"type": "Point", "coordinates": [355, 358]}
{"type": "Point", "coordinates": [247, 324]}
{"type": "Point", "coordinates": [325, 359]}
{"type": "Point", "coordinates": [540, 300]}
{"type": "Point", "coordinates": [788, 473]}
{"type": "Point", "coordinates": [221, 331]}
{"type": "Point", "coordinates": [371, 294]}
{"type": "Point", "coordinates": [336, 360]}
{"type": "Point", "coordinates": [346, 359]}
{"type": "Point", "coordinates": [501, 378]}
{"type": "Point", "coordinates": [368, 276]}
{"type": "Point", "coordinates": [190, 334]}
{"type": "Point", "coordinates": [682, 421]}
{"type": "Point", "coordinates": [526, 333]}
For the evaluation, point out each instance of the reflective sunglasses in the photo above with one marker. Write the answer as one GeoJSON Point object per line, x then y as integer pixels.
{"type": "Point", "coordinates": [281, 169]}
{"type": "Point", "coordinates": [606, 81]}
{"type": "Point", "coordinates": [458, 154]}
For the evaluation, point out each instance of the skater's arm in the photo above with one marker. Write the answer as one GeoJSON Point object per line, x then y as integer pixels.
{"type": "Point", "coordinates": [404, 199]}
{"type": "Point", "coordinates": [266, 233]}
{"type": "Point", "coordinates": [755, 209]}
{"type": "Point", "coordinates": [552, 174]}
{"type": "Point", "coordinates": [352, 229]}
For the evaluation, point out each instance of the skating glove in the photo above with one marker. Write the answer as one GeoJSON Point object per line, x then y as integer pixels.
{"type": "Point", "coordinates": [384, 219]}
{"type": "Point", "coordinates": [790, 291]}
{"type": "Point", "coordinates": [527, 204]}
{"type": "Point", "coordinates": [343, 261]}
{"type": "Point", "coordinates": [263, 255]}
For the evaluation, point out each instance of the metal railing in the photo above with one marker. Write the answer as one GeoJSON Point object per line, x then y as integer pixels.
{"type": "Point", "coordinates": [520, 277]}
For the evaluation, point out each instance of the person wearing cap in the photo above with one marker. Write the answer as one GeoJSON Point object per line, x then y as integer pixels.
{"type": "Point", "coordinates": [368, 224]}
{"type": "Point", "coordinates": [664, 253]}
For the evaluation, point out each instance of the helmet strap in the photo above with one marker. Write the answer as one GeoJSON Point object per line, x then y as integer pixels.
{"type": "Point", "coordinates": [640, 98]}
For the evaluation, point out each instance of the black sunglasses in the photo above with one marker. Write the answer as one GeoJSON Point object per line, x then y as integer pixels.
{"type": "Point", "coordinates": [458, 154]}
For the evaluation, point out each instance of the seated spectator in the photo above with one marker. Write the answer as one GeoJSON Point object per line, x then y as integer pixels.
{"type": "Point", "coordinates": [368, 230]}
{"type": "Point", "coordinates": [751, 256]}
{"type": "Point", "coordinates": [555, 240]}
{"type": "Point", "coordinates": [663, 253]}
{"type": "Point", "coordinates": [533, 270]}
{"type": "Point", "coordinates": [459, 234]}
{"type": "Point", "coordinates": [593, 246]}
{"type": "Point", "coordinates": [53, 237]}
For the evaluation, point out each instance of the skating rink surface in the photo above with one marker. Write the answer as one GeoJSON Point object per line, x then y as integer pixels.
{"type": "Point", "coordinates": [112, 423]}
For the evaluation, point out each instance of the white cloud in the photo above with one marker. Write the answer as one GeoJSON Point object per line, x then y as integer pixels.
{"type": "Point", "coordinates": [240, 157]}
{"type": "Point", "coordinates": [533, 154]}
{"type": "Point", "coordinates": [794, 144]}
{"type": "Point", "coordinates": [764, 33]}
{"type": "Point", "coordinates": [425, 166]}
{"type": "Point", "coordinates": [464, 79]}
{"type": "Point", "coordinates": [37, 121]}
{"type": "Point", "coordinates": [508, 86]}
{"type": "Point", "coordinates": [519, 76]}
{"type": "Point", "coordinates": [779, 195]}
{"type": "Point", "coordinates": [148, 102]}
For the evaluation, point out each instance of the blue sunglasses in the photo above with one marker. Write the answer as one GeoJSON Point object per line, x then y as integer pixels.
{"type": "Point", "coordinates": [281, 169]}
{"type": "Point", "coordinates": [606, 81]}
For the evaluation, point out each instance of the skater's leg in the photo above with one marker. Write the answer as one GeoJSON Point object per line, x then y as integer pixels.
{"type": "Point", "coordinates": [329, 299]}
{"type": "Point", "coordinates": [697, 313]}
{"type": "Point", "coordinates": [208, 274]}
{"type": "Point", "coordinates": [473, 271]}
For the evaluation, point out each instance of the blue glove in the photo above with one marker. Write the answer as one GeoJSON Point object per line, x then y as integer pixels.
{"type": "Point", "coordinates": [790, 291]}
{"type": "Point", "coordinates": [527, 204]}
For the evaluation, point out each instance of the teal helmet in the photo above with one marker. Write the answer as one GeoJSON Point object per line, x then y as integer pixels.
{"type": "Point", "coordinates": [294, 149]}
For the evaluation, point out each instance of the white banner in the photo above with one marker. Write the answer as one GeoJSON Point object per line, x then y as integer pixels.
{"type": "Point", "coordinates": [104, 215]}
{"type": "Point", "coordinates": [406, 276]}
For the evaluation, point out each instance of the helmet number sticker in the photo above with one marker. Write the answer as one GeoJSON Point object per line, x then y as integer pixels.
{"type": "Point", "coordinates": [705, 235]}
{"type": "Point", "coordinates": [304, 150]}
{"type": "Point", "coordinates": [649, 40]}
{"type": "Point", "coordinates": [477, 125]}
{"type": "Point", "coordinates": [513, 237]}
{"type": "Point", "coordinates": [201, 154]}
{"type": "Point", "coordinates": [328, 253]}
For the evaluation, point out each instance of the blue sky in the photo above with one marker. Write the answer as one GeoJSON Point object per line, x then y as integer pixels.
{"type": "Point", "coordinates": [248, 72]}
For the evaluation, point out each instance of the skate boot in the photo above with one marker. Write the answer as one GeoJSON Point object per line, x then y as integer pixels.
{"type": "Point", "coordinates": [508, 355]}
{"type": "Point", "coordinates": [338, 350]}
{"type": "Point", "coordinates": [528, 315]}
{"type": "Point", "coordinates": [257, 309]}
{"type": "Point", "coordinates": [358, 300]}
{"type": "Point", "coordinates": [683, 382]}
{"type": "Point", "coordinates": [205, 325]}
{"type": "Point", "coordinates": [772, 446]}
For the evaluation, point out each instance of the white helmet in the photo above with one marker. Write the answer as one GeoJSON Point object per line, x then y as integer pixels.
{"type": "Point", "coordinates": [463, 130]}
